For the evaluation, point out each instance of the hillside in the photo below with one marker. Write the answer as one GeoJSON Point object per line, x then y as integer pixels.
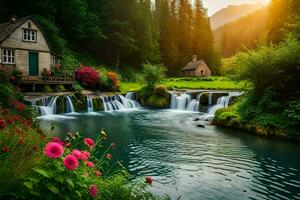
{"type": "Point", "coordinates": [232, 13]}
{"type": "Point", "coordinates": [243, 33]}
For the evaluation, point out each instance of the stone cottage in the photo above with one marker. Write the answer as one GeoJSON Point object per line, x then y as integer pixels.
{"type": "Point", "coordinates": [24, 45]}
{"type": "Point", "coordinates": [196, 68]}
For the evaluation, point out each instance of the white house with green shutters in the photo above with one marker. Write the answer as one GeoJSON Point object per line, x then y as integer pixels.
{"type": "Point", "coordinates": [24, 45]}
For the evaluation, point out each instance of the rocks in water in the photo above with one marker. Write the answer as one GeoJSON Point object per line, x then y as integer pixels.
{"type": "Point", "coordinates": [197, 119]}
{"type": "Point", "coordinates": [200, 126]}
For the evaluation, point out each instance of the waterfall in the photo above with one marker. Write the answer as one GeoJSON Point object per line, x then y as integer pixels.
{"type": "Point", "coordinates": [222, 102]}
{"type": "Point", "coordinates": [90, 105]}
{"type": "Point", "coordinates": [193, 106]}
{"type": "Point", "coordinates": [48, 108]}
{"type": "Point", "coordinates": [70, 106]}
{"type": "Point", "coordinates": [210, 98]}
{"type": "Point", "coordinates": [119, 102]}
{"type": "Point", "coordinates": [184, 102]}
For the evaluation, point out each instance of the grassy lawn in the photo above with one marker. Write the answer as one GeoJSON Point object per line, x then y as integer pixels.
{"type": "Point", "coordinates": [215, 82]}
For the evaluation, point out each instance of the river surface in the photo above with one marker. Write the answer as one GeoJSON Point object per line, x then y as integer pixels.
{"type": "Point", "coordinates": [191, 162]}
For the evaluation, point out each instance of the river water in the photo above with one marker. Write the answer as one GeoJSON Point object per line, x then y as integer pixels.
{"type": "Point", "coordinates": [191, 162]}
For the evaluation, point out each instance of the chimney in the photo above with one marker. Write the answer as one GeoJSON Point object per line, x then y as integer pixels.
{"type": "Point", "coordinates": [194, 58]}
{"type": "Point", "coordinates": [13, 19]}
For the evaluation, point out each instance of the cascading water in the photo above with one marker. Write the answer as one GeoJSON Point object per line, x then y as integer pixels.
{"type": "Point", "coordinates": [119, 102]}
{"type": "Point", "coordinates": [184, 102]}
{"type": "Point", "coordinates": [90, 105]}
{"type": "Point", "coordinates": [70, 106]}
{"type": "Point", "coordinates": [48, 108]}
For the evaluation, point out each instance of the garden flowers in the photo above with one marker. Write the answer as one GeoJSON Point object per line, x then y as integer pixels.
{"type": "Point", "coordinates": [89, 142]}
{"type": "Point", "coordinates": [70, 162]}
{"type": "Point", "coordinates": [54, 150]}
{"type": "Point", "coordinates": [93, 190]}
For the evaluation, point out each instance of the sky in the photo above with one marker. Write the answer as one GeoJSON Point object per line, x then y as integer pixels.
{"type": "Point", "coordinates": [215, 5]}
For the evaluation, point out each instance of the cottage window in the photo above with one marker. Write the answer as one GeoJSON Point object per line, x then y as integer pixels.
{"type": "Point", "coordinates": [29, 35]}
{"type": "Point", "coordinates": [8, 56]}
{"type": "Point", "coordinates": [55, 60]}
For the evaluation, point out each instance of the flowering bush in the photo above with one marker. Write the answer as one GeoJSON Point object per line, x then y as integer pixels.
{"type": "Point", "coordinates": [109, 81]}
{"type": "Point", "coordinates": [87, 76]}
{"type": "Point", "coordinates": [113, 76]}
{"type": "Point", "coordinates": [7, 74]}
{"type": "Point", "coordinates": [70, 172]}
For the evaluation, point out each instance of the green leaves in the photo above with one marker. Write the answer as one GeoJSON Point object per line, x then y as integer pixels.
{"type": "Point", "coordinates": [43, 172]}
{"type": "Point", "coordinates": [52, 188]}
{"type": "Point", "coordinates": [70, 182]}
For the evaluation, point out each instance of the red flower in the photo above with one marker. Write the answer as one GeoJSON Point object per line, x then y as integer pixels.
{"type": "Point", "coordinates": [18, 105]}
{"type": "Point", "coordinates": [149, 180]}
{"type": "Point", "coordinates": [5, 149]}
{"type": "Point", "coordinates": [90, 164]}
{"type": "Point", "coordinates": [54, 150]}
{"type": "Point", "coordinates": [89, 142]}
{"type": "Point", "coordinates": [109, 156]}
{"type": "Point", "coordinates": [84, 155]}
{"type": "Point", "coordinates": [2, 123]}
{"type": "Point", "coordinates": [93, 190]}
{"type": "Point", "coordinates": [26, 122]}
{"type": "Point", "coordinates": [98, 173]}
{"type": "Point", "coordinates": [87, 75]}
{"type": "Point", "coordinates": [57, 140]}
{"type": "Point", "coordinates": [13, 118]}
{"type": "Point", "coordinates": [70, 162]}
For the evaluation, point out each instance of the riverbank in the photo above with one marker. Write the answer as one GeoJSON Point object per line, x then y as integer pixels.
{"type": "Point", "coordinates": [229, 118]}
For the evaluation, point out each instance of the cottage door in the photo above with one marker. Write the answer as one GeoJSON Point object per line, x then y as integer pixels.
{"type": "Point", "coordinates": [33, 64]}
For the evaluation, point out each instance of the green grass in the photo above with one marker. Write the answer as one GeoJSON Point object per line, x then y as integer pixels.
{"type": "Point", "coordinates": [214, 82]}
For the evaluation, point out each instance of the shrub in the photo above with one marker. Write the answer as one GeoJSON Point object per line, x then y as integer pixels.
{"type": "Point", "coordinates": [151, 75]}
{"type": "Point", "coordinates": [59, 88]}
{"type": "Point", "coordinates": [161, 90]}
{"type": "Point", "coordinates": [114, 77]}
{"type": "Point", "coordinates": [47, 88]}
{"type": "Point", "coordinates": [292, 113]}
{"type": "Point", "coordinates": [77, 87]}
{"type": "Point", "coordinates": [19, 151]}
{"type": "Point", "coordinates": [87, 76]}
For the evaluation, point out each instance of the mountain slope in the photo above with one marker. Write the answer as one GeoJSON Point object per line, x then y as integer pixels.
{"type": "Point", "coordinates": [232, 13]}
{"type": "Point", "coordinates": [243, 33]}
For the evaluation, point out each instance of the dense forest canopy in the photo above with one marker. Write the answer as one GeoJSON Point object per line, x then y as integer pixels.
{"type": "Point", "coordinates": [122, 32]}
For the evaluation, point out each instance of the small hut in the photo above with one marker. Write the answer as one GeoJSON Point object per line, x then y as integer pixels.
{"type": "Point", "coordinates": [196, 68]}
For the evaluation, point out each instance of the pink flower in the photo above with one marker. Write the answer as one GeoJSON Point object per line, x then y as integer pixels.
{"type": "Point", "coordinates": [90, 164]}
{"type": "Point", "coordinates": [77, 153]}
{"type": "Point", "coordinates": [5, 149]}
{"type": "Point", "coordinates": [53, 150]}
{"type": "Point", "coordinates": [98, 173]}
{"type": "Point", "coordinates": [149, 180]}
{"type": "Point", "coordinates": [109, 156]}
{"type": "Point", "coordinates": [57, 140]}
{"type": "Point", "coordinates": [89, 142]}
{"type": "Point", "coordinates": [84, 155]}
{"type": "Point", "coordinates": [93, 190]}
{"type": "Point", "coordinates": [70, 162]}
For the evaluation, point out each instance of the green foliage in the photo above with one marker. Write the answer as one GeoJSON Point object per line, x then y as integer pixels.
{"type": "Point", "coordinates": [23, 151]}
{"type": "Point", "coordinates": [292, 112]}
{"type": "Point", "coordinates": [151, 75]}
{"type": "Point", "coordinates": [77, 87]}
{"type": "Point", "coordinates": [47, 88]}
{"type": "Point", "coordinates": [59, 88]}
{"type": "Point", "coordinates": [161, 91]}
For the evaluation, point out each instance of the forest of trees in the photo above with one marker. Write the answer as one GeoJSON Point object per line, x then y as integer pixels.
{"type": "Point", "coordinates": [242, 34]}
{"type": "Point", "coordinates": [269, 24]}
{"type": "Point", "coordinates": [122, 33]}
